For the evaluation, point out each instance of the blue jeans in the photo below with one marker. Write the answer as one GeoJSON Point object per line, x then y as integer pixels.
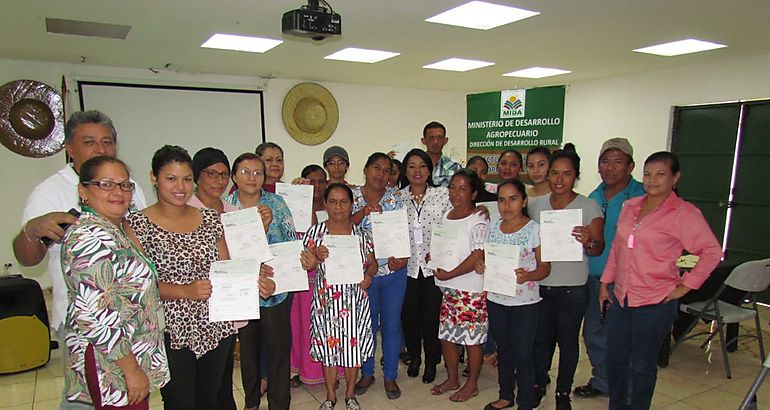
{"type": "Point", "coordinates": [635, 337]}
{"type": "Point", "coordinates": [595, 337]}
{"type": "Point", "coordinates": [561, 314]}
{"type": "Point", "coordinates": [514, 330]}
{"type": "Point", "coordinates": [386, 296]}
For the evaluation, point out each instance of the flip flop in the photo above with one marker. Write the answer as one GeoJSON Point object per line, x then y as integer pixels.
{"type": "Point", "coordinates": [438, 391]}
{"type": "Point", "coordinates": [458, 398]}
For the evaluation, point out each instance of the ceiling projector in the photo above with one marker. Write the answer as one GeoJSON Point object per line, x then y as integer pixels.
{"type": "Point", "coordinates": [313, 20]}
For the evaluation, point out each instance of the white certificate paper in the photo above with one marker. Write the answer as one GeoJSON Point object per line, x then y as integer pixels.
{"type": "Point", "coordinates": [501, 262]}
{"type": "Point", "coordinates": [494, 211]}
{"type": "Point", "coordinates": [444, 249]}
{"type": "Point", "coordinates": [299, 198]}
{"type": "Point", "coordinates": [391, 233]}
{"type": "Point", "coordinates": [245, 235]}
{"type": "Point", "coordinates": [234, 290]}
{"type": "Point", "coordinates": [343, 266]}
{"type": "Point", "coordinates": [321, 216]}
{"type": "Point", "coordinates": [556, 241]}
{"type": "Point", "coordinates": [288, 274]}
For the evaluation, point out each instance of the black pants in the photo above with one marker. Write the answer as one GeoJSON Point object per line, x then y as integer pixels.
{"type": "Point", "coordinates": [560, 316]}
{"type": "Point", "coordinates": [194, 382]}
{"type": "Point", "coordinates": [419, 318]}
{"type": "Point", "coordinates": [225, 395]}
{"type": "Point", "coordinates": [272, 329]}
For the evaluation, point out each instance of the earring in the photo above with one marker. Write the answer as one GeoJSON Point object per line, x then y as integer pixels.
{"type": "Point", "coordinates": [84, 201]}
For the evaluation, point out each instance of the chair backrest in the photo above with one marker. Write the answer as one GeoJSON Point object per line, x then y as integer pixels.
{"type": "Point", "coordinates": [752, 276]}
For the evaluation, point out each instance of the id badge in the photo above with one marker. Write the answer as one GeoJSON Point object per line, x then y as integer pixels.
{"type": "Point", "coordinates": [417, 234]}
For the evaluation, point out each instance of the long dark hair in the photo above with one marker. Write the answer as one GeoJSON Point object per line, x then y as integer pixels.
{"type": "Point", "coordinates": [416, 152]}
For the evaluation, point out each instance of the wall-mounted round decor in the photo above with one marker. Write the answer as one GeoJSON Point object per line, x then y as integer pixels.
{"type": "Point", "coordinates": [31, 118]}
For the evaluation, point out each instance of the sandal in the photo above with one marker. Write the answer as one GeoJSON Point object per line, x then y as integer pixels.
{"type": "Point", "coordinates": [459, 398]}
{"type": "Point", "coordinates": [437, 390]}
{"type": "Point", "coordinates": [295, 382]}
{"type": "Point", "coordinates": [327, 405]}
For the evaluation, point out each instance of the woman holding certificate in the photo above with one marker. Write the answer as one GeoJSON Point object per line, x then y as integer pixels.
{"type": "Point", "coordinates": [575, 229]}
{"type": "Point", "coordinates": [653, 230]}
{"type": "Point", "coordinates": [425, 207]}
{"type": "Point", "coordinates": [386, 295]}
{"type": "Point", "coordinates": [112, 363]}
{"type": "Point", "coordinates": [211, 173]}
{"type": "Point", "coordinates": [272, 329]}
{"type": "Point", "coordinates": [341, 322]}
{"type": "Point", "coordinates": [457, 245]}
{"type": "Point", "coordinates": [183, 242]}
{"type": "Point", "coordinates": [513, 310]}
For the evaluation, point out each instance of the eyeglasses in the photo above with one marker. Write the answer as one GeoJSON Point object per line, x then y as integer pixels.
{"type": "Point", "coordinates": [336, 163]}
{"type": "Point", "coordinates": [213, 174]}
{"type": "Point", "coordinates": [107, 185]}
{"type": "Point", "coordinates": [247, 172]}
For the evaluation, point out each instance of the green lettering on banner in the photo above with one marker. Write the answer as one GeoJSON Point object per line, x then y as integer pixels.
{"type": "Point", "coordinates": [514, 119]}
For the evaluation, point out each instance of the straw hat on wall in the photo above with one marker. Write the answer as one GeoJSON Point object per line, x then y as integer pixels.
{"type": "Point", "coordinates": [310, 113]}
{"type": "Point", "coordinates": [31, 118]}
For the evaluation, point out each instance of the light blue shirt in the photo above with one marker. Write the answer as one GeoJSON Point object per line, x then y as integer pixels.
{"type": "Point", "coordinates": [611, 210]}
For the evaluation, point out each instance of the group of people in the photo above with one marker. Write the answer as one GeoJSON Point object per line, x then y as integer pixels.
{"type": "Point", "coordinates": [131, 281]}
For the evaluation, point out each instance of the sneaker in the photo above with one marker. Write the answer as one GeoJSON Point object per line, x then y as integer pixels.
{"type": "Point", "coordinates": [563, 401]}
{"type": "Point", "coordinates": [352, 404]}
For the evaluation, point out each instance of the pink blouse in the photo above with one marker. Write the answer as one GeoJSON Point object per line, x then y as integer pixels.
{"type": "Point", "coordinates": [642, 261]}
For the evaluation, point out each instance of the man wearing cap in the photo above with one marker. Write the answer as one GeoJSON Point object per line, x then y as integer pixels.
{"type": "Point", "coordinates": [616, 162]}
{"type": "Point", "coordinates": [336, 162]}
{"type": "Point", "coordinates": [434, 138]}
{"type": "Point", "coordinates": [86, 135]}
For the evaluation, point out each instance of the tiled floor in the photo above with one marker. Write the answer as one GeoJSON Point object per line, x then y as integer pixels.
{"type": "Point", "coordinates": [694, 380]}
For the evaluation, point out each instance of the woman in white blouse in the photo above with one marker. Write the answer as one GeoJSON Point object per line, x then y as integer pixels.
{"type": "Point", "coordinates": [425, 206]}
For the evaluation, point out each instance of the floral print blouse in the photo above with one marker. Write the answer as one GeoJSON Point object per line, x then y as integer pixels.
{"type": "Point", "coordinates": [113, 305]}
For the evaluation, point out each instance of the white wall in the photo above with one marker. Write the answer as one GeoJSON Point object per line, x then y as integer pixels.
{"type": "Point", "coordinates": [371, 119]}
{"type": "Point", "coordinates": [639, 106]}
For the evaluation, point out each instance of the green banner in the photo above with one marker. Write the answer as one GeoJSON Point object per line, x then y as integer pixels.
{"type": "Point", "coordinates": [514, 119]}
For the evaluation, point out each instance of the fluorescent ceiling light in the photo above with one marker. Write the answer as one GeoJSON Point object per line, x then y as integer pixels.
{"type": "Point", "coordinates": [240, 43]}
{"type": "Point", "coordinates": [458, 64]}
{"type": "Point", "coordinates": [481, 15]}
{"type": "Point", "coordinates": [361, 55]}
{"type": "Point", "coordinates": [680, 47]}
{"type": "Point", "coordinates": [536, 72]}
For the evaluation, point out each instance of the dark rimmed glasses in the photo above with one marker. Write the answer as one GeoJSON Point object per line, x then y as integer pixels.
{"type": "Point", "coordinates": [107, 185]}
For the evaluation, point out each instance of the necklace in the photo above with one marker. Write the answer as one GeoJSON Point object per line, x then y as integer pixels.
{"type": "Point", "coordinates": [418, 197]}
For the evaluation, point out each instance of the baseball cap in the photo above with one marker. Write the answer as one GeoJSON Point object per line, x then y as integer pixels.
{"type": "Point", "coordinates": [335, 150]}
{"type": "Point", "coordinates": [620, 144]}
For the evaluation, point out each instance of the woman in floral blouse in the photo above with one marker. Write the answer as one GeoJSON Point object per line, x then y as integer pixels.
{"type": "Point", "coordinates": [114, 323]}
{"type": "Point", "coordinates": [386, 295]}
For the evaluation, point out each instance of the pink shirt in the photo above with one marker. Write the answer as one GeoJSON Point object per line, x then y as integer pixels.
{"type": "Point", "coordinates": [194, 201]}
{"type": "Point", "coordinates": [643, 267]}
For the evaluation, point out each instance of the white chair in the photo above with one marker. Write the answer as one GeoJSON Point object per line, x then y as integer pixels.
{"type": "Point", "coordinates": [752, 277]}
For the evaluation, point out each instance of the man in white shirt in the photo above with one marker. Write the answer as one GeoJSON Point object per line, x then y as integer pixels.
{"type": "Point", "coordinates": [87, 134]}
